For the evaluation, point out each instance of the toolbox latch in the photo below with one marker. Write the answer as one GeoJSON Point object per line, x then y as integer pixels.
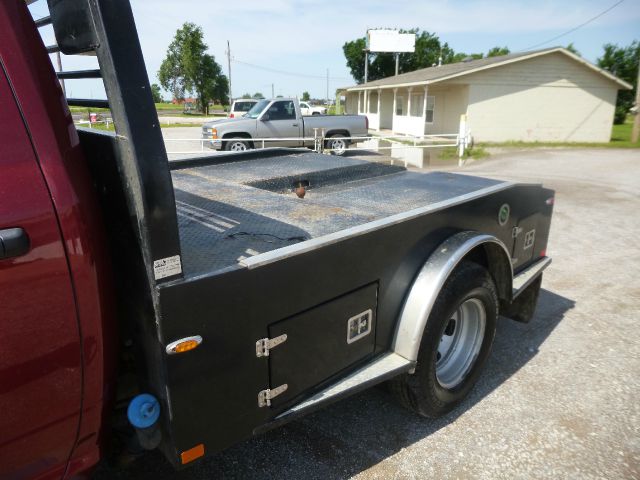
{"type": "Point", "coordinates": [264, 345]}
{"type": "Point", "coordinates": [265, 396]}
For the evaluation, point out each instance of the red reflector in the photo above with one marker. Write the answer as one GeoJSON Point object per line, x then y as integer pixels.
{"type": "Point", "coordinates": [543, 253]}
{"type": "Point", "coordinates": [550, 201]}
{"type": "Point", "coordinates": [231, 115]}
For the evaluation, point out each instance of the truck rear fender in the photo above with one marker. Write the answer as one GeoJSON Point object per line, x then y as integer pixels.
{"type": "Point", "coordinates": [346, 133]}
{"type": "Point", "coordinates": [485, 249]}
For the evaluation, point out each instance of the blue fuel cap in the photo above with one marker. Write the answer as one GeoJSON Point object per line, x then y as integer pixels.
{"type": "Point", "coordinates": [143, 411]}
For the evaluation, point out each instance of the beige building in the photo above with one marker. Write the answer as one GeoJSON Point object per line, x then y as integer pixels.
{"type": "Point", "coordinates": [546, 95]}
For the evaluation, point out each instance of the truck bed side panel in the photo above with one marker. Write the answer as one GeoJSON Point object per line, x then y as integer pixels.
{"type": "Point", "coordinates": [213, 390]}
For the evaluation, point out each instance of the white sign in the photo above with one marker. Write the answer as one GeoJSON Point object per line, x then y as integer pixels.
{"type": "Point", "coordinates": [390, 41]}
{"type": "Point", "coordinates": [166, 267]}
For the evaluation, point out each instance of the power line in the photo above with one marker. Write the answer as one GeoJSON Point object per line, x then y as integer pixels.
{"type": "Point", "coordinates": [575, 28]}
{"type": "Point", "coordinates": [292, 74]}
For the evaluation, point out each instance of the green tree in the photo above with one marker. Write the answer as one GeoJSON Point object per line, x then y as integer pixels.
{"type": "Point", "coordinates": [220, 92]}
{"type": "Point", "coordinates": [258, 96]}
{"type": "Point", "coordinates": [306, 97]}
{"type": "Point", "coordinates": [461, 56]}
{"type": "Point", "coordinates": [573, 49]}
{"type": "Point", "coordinates": [428, 51]}
{"type": "Point", "coordinates": [623, 63]}
{"type": "Point", "coordinates": [498, 51]}
{"type": "Point", "coordinates": [188, 68]}
{"type": "Point", "coordinates": [156, 93]}
{"type": "Point", "coordinates": [246, 95]}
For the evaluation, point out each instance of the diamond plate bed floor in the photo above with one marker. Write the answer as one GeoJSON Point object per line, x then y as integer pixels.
{"type": "Point", "coordinates": [230, 211]}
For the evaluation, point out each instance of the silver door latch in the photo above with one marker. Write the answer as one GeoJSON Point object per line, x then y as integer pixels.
{"type": "Point", "coordinates": [264, 345]}
{"type": "Point", "coordinates": [265, 396]}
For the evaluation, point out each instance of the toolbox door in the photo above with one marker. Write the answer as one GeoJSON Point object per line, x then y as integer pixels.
{"type": "Point", "coordinates": [524, 239]}
{"type": "Point", "coordinates": [321, 342]}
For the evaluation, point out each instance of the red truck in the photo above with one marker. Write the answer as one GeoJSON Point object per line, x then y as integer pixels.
{"type": "Point", "coordinates": [189, 305]}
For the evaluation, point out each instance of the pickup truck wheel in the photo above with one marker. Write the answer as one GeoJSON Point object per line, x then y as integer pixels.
{"type": "Point", "coordinates": [337, 144]}
{"type": "Point", "coordinates": [236, 146]}
{"type": "Point", "coordinates": [455, 344]}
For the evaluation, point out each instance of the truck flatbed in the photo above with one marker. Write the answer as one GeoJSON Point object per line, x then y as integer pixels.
{"type": "Point", "coordinates": [232, 210]}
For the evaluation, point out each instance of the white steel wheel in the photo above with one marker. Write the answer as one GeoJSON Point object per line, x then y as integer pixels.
{"type": "Point", "coordinates": [460, 343]}
{"type": "Point", "coordinates": [455, 344]}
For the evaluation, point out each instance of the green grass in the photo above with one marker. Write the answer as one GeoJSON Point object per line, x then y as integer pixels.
{"type": "Point", "coordinates": [168, 106]}
{"type": "Point", "coordinates": [476, 152]}
{"type": "Point", "coordinates": [102, 126]}
{"type": "Point", "coordinates": [86, 110]}
{"type": "Point", "coordinates": [620, 138]}
{"type": "Point", "coordinates": [159, 107]}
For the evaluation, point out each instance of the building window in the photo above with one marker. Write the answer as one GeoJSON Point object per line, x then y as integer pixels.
{"type": "Point", "coordinates": [373, 102]}
{"type": "Point", "coordinates": [431, 104]}
{"type": "Point", "coordinates": [417, 103]}
{"type": "Point", "coordinates": [399, 105]}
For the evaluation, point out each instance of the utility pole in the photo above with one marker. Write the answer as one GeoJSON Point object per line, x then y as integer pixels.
{"type": "Point", "coordinates": [229, 66]}
{"type": "Point", "coordinates": [397, 61]}
{"type": "Point", "coordinates": [272, 94]}
{"type": "Point", "coordinates": [64, 92]}
{"type": "Point", "coordinates": [366, 65]}
{"type": "Point", "coordinates": [635, 132]}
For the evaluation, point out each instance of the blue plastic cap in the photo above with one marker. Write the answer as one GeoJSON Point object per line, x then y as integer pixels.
{"type": "Point", "coordinates": [143, 411]}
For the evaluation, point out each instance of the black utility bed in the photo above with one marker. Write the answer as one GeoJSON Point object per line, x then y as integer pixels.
{"type": "Point", "coordinates": [232, 210]}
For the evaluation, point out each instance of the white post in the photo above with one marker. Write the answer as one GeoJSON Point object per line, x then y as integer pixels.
{"type": "Point", "coordinates": [379, 114]}
{"type": "Point", "coordinates": [366, 101]}
{"type": "Point", "coordinates": [409, 101]}
{"type": "Point", "coordinates": [393, 115]}
{"type": "Point", "coordinates": [424, 109]}
{"type": "Point", "coordinates": [359, 103]}
{"type": "Point", "coordinates": [462, 138]}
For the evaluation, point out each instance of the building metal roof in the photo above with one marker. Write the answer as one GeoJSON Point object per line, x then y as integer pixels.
{"type": "Point", "coordinates": [431, 75]}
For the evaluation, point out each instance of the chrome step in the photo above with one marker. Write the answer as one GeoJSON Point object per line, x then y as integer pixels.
{"type": "Point", "coordinates": [522, 280]}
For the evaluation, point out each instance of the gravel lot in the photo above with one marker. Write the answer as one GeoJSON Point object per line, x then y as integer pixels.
{"type": "Point", "coordinates": [559, 397]}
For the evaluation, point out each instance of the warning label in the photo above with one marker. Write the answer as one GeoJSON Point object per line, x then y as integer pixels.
{"type": "Point", "coordinates": [166, 267]}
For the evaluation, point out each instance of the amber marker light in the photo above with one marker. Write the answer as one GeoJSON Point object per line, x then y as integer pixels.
{"type": "Point", "coordinates": [184, 345]}
{"type": "Point", "coordinates": [192, 454]}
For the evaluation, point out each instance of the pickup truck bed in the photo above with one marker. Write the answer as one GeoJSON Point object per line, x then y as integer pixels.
{"type": "Point", "coordinates": [230, 211]}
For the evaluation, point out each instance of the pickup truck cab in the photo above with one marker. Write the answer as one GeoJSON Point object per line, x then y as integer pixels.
{"type": "Point", "coordinates": [279, 122]}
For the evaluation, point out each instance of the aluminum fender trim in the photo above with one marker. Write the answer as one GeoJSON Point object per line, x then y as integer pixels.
{"type": "Point", "coordinates": [427, 285]}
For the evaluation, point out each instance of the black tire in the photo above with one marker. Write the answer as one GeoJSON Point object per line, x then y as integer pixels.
{"type": "Point", "coordinates": [235, 145]}
{"type": "Point", "coordinates": [422, 391]}
{"type": "Point", "coordinates": [337, 144]}
{"type": "Point", "coordinates": [315, 113]}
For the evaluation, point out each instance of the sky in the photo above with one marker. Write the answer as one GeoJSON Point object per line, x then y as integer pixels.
{"type": "Point", "coordinates": [289, 45]}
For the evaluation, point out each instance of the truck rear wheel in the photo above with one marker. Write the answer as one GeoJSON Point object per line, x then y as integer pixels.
{"type": "Point", "coordinates": [337, 144]}
{"type": "Point", "coordinates": [455, 344]}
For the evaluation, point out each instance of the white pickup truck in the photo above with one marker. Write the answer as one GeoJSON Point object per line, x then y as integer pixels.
{"type": "Point", "coordinates": [279, 123]}
{"type": "Point", "coordinates": [308, 109]}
